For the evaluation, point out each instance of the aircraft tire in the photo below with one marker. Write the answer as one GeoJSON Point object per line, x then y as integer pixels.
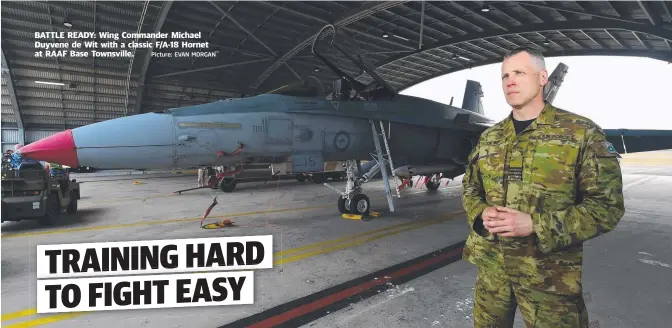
{"type": "Point", "coordinates": [318, 178]}
{"type": "Point", "coordinates": [341, 205]}
{"type": "Point", "coordinates": [360, 204]}
{"type": "Point", "coordinates": [431, 185]}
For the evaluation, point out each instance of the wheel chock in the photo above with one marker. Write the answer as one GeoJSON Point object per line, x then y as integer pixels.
{"type": "Point", "coordinates": [136, 182]}
{"type": "Point", "coordinates": [372, 214]}
{"type": "Point", "coordinates": [218, 225]}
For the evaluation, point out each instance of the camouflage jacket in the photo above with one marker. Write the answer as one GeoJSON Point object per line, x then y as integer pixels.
{"type": "Point", "coordinates": [562, 171]}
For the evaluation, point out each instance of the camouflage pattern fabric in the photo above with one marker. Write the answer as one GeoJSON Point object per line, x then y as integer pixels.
{"type": "Point", "coordinates": [496, 299]}
{"type": "Point", "coordinates": [562, 171]}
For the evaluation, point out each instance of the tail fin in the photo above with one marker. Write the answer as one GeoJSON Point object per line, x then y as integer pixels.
{"type": "Point", "coordinates": [554, 82]}
{"type": "Point", "coordinates": [472, 97]}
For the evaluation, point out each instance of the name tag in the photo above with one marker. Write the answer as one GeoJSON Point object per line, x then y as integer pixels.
{"type": "Point", "coordinates": [514, 174]}
{"type": "Point", "coordinates": [560, 137]}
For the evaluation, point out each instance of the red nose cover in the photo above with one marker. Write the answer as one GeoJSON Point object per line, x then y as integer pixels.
{"type": "Point", "coordinates": [58, 148]}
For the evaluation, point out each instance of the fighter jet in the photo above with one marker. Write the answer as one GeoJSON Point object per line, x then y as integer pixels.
{"type": "Point", "coordinates": [406, 135]}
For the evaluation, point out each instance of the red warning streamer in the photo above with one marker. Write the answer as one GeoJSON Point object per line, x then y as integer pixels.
{"type": "Point", "coordinates": [205, 215]}
{"type": "Point", "coordinates": [234, 153]}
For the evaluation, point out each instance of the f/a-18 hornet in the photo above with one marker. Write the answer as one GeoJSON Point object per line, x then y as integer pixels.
{"type": "Point", "coordinates": [407, 135]}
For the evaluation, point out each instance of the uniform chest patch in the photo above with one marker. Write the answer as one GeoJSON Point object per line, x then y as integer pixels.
{"type": "Point", "coordinates": [560, 137]}
{"type": "Point", "coordinates": [514, 174]}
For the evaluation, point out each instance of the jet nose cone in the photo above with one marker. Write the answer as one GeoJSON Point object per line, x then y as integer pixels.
{"type": "Point", "coordinates": [58, 148]}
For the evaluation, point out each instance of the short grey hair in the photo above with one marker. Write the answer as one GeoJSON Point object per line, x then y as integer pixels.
{"type": "Point", "coordinates": [537, 56]}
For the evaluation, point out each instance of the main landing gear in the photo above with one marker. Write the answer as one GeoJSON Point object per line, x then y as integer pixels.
{"type": "Point", "coordinates": [353, 200]}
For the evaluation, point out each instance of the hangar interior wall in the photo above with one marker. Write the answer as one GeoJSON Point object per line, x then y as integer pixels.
{"type": "Point", "coordinates": [10, 137]}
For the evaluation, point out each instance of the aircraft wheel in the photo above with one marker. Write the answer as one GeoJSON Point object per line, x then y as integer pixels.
{"type": "Point", "coordinates": [318, 178]}
{"type": "Point", "coordinates": [72, 206]}
{"type": "Point", "coordinates": [301, 177]}
{"type": "Point", "coordinates": [360, 204]}
{"type": "Point", "coordinates": [431, 185]}
{"type": "Point", "coordinates": [342, 205]}
{"type": "Point", "coordinates": [227, 185]}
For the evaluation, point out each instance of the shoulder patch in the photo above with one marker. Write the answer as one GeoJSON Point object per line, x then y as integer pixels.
{"type": "Point", "coordinates": [605, 149]}
{"type": "Point", "coordinates": [610, 147]}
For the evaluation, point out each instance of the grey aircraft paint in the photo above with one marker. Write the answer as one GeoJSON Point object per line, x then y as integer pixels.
{"type": "Point", "coordinates": [298, 123]}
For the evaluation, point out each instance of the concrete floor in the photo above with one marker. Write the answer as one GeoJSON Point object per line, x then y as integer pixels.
{"type": "Point", "coordinates": [624, 276]}
{"type": "Point", "coordinates": [626, 273]}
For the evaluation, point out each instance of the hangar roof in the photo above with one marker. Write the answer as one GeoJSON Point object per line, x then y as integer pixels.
{"type": "Point", "coordinates": [262, 46]}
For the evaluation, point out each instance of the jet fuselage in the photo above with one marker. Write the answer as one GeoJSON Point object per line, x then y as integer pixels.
{"type": "Point", "coordinates": [274, 128]}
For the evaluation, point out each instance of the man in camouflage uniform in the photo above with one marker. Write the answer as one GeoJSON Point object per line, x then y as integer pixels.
{"type": "Point", "coordinates": [538, 184]}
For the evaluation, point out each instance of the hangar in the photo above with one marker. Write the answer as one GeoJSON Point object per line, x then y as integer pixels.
{"type": "Point", "coordinates": [260, 46]}
{"type": "Point", "coordinates": [251, 48]}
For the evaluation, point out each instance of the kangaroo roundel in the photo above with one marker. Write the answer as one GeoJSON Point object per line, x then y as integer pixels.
{"type": "Point", "coordinates": [341, 141]}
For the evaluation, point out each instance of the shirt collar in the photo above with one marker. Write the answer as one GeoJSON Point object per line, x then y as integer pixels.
{"type": "Point", "coordinates": [546, 117]}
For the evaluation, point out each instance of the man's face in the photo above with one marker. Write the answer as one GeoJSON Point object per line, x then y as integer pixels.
{"type": "Point", "coordinates": [521, 79]}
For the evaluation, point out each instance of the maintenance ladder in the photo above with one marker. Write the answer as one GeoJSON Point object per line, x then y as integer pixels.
{"type": "Point", "coordinates": [384, 158]}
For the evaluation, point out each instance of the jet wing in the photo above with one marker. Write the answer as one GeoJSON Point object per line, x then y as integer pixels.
{"type": "Point", "coordinates": [634, 141]}
{"type": "Point", "coordinates": [466, 121]}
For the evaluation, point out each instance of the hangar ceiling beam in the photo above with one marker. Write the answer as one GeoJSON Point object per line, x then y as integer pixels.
{"type": "Point", "coordinates": [615, 39]}
{"type": "Point", "coordinates": [559, 9]}
{"type": "Point", "coordinates": [93, 60]}
{"type": "Point", "coordinates": [7, 74]}
{"type": "Point", "coordinates": [648, 11]}
{"type": "Point", "coordinates": [130, 65]}
{"type": "Point", "coordinates": [660, 55]}
{"type": "Point", "coordinates": [372, 37]}
{"type": "Point", "coordinates": [360, 13]}
{"type": "Point", "coordinates": [430, 6]}
{"type": "Point", "coordinates": [242, 51]}
{"type": "Point", "coordinates": [640, 40]}
{"type": "Point", "coordinates": [165, 9]}
{"type": "Point", "coordinates": [296, 12]}
{"type": "Point", "coordinates": [422, 23]}
{"type": "Point", "coordinates": [598, 24]}
{"type": "Point", "coordinates": [325, 22]}
{"type": "Point", "coordinates": [667, 7]}
{"type": "Point", "coordinates": [602, 45]}
{"type": "Point", "coordinates": [233, 20]}
{"type": "Point", "coordinates": [213, 67]}
{"type": "Point", "coordinates": [475, 14]}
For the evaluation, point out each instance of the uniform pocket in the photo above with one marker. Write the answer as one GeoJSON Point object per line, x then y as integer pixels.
{"type": "Point", "coordinates": [561, 272]}
{"type": "Point", "coordinates": [554, 165]}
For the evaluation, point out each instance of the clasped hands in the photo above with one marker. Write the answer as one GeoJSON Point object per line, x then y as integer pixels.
{"type": "Point", "coordinates": [507, 222]}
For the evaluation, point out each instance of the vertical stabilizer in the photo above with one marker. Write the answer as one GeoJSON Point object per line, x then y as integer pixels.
{"type": "Point", "coordinates": [472, 97]}
{"type": "Point", "coordinates": [554, 82]}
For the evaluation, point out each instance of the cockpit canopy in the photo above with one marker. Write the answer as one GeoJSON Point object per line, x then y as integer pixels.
{"type": "Point", "coordinates": [308, 88]}
{"type": "Point", "coordinates": [342, 90]}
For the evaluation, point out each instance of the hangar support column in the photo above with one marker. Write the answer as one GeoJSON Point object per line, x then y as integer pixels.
{"type": "Point", "coordinates": [148, 56]}
{"type": "Point", "coordinates": [7, 75]}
